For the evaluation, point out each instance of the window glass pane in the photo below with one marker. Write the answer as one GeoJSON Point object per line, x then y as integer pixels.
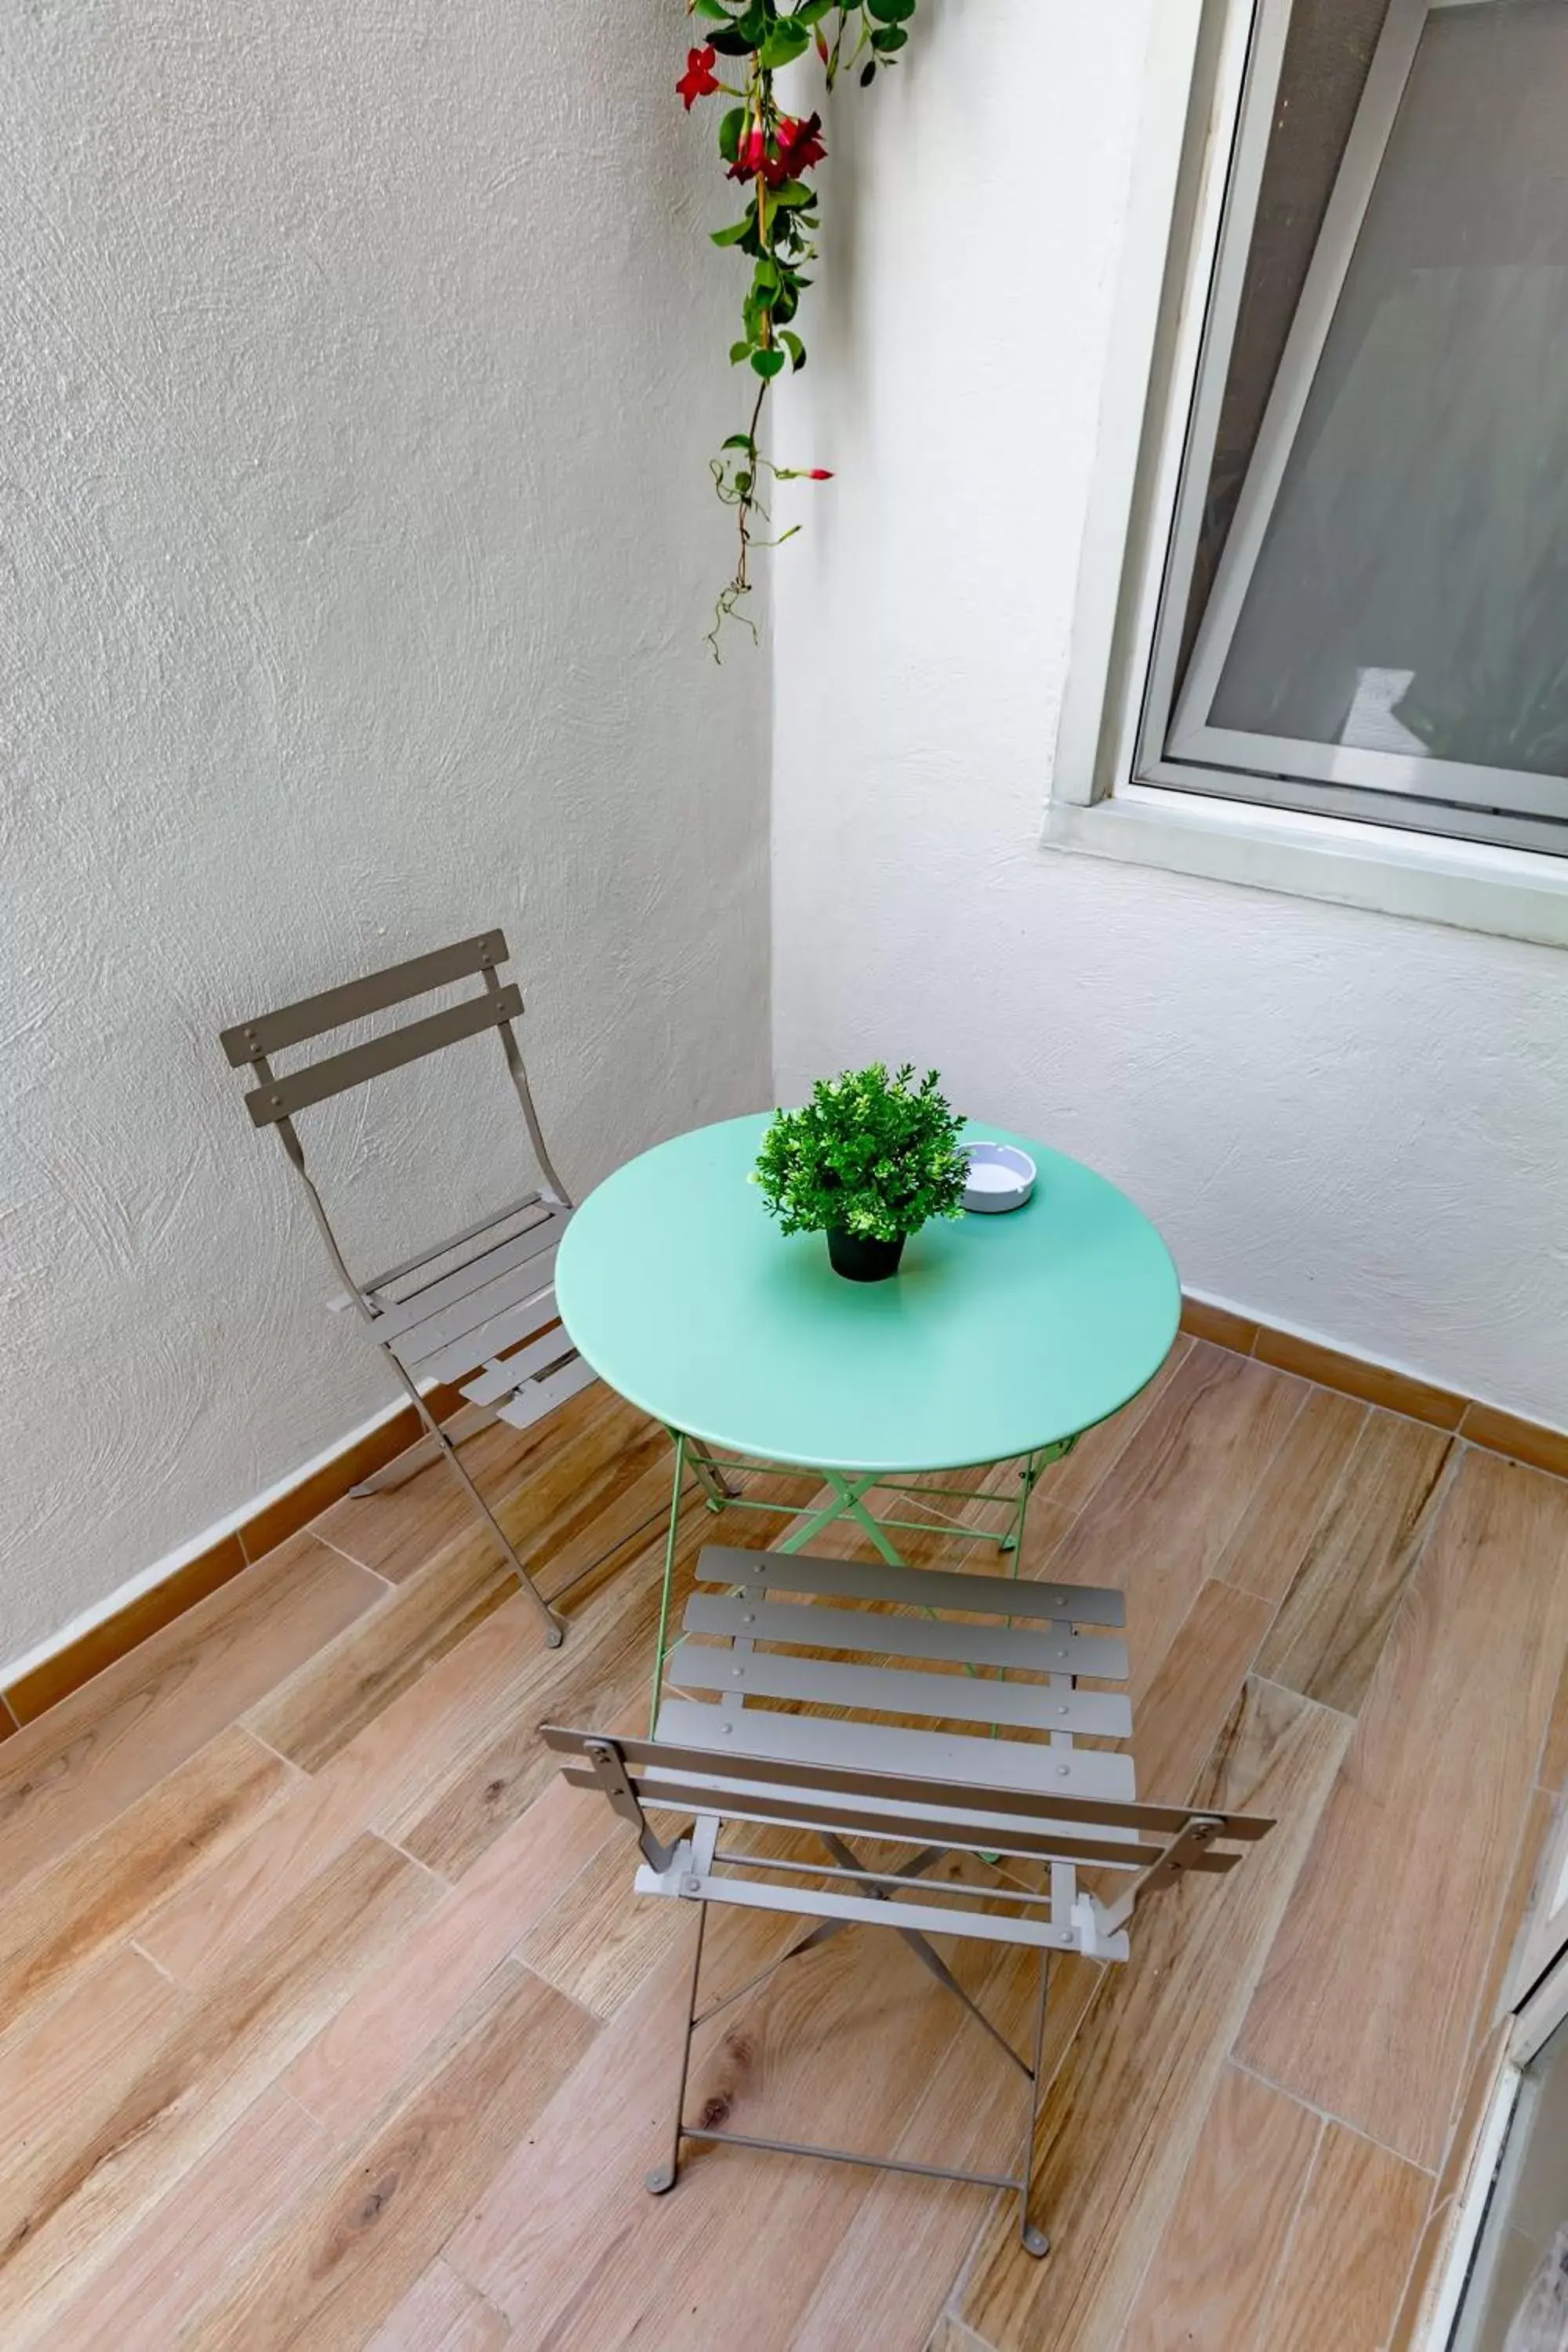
{"type": "Point", "coordinates": [1327, 48]}
{"type": "Point", "coordinates": [1411, 590]}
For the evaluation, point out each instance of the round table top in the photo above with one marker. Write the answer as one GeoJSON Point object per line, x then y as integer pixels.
{"type": "Point", "coordinates": [998, 1335]}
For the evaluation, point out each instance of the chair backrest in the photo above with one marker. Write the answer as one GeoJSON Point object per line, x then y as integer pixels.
{"type": "Point", "coordinates": [277, 1097]}
{"type": "Point", "coordinates": [1156, 1843]}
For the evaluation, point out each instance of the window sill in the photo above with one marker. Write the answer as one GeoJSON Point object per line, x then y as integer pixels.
{"type": "Point", "coordinates": [1513, 893]}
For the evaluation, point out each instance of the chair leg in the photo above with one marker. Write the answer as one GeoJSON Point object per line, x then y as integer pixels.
{"type": "Point", "coordinates": [663, 2177]}
{"type": "Point", "coordinates": [716, 1488]}
{"type": "Point", "coordinates": [555, 1629]}
{"type": "Point", "coordinates": [425, 1450]}
{"type": "Point", "coordinates": [400, 1469]}
{"type": "Point", "coordinates": [1034, 2240]}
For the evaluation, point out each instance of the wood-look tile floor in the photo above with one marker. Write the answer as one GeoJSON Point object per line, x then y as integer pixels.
{"type": "Point", "coordinates": [328, 2017]}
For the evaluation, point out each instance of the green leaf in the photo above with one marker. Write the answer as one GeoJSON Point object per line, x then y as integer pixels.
{"type": "Point", "coordinates": [739, 352]}
{"type": "Point", "coordinates": [788, 41]}
{"type": "Point", "coordinates": [733, 234]}
{"type": "Point", "coordinates": [767, 363]}
{"type": "Point", "coordinates": [766, 276]}
{"type": "Point", "coordinates": [868, 74]}
{"type": "Point", "coordinates": [890, 12]}
{"type": "Point", "coordinates": [712, 8]}
{"type": "Point", "coordinates": [790, 195]}
{"type": "Point", "coordinates": [738, 441]}
{"type": "Point", "coordinates": [869, 1153]}
{"type": "Point", "coordinates": [795, 347]}
{"type": "Point", "coordinates": [730, 131]}
{"type": "Point", "coordinates": [812, 12]}
{"type": "Point", "coordinates": [888, 36]}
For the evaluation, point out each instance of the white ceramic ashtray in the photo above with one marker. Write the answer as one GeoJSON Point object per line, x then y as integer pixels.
{"type": "Point", "coordinates": [1000, 1177]}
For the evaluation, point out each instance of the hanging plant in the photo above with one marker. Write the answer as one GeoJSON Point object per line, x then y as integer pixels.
{"type": "Point", "coordinates": [770, 153]}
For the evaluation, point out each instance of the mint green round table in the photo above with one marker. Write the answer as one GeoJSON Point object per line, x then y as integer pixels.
{"type": "Point", "coordinates": [1000, 1339]}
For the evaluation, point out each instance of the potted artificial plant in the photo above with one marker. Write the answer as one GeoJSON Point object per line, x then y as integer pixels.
{"type": "Point", "coordinates": [866, 1161]}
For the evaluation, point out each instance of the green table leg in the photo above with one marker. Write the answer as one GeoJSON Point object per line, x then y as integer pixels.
{"type": "Point", "coordinates": [847, 1505]}
{"type": "Point", "coordinates": [1035, 1467]}
{"type": "Point", "coordinates": [670, 1543]}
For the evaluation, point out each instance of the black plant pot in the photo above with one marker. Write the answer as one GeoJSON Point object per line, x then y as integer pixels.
{"type": "Point", "coordinates": [860, 1257]}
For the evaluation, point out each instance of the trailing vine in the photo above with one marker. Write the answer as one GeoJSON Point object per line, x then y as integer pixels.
{"type": "Point", "coordinates": [770, 153]}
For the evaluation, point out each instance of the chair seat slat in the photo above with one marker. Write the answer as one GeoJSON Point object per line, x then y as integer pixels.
{"type": "Point", "coordinates": [425, 1258]}
{"type": "Point", "coordinates": [502, 1381]}
{"type": "Point", "coordinates": [1104, 1655]}
{"type": "Point", "coordinates": [485, 1267]}
{"type": "Point", "coordinates": [484, 1339]}
{"type": "Point", "coordinates": [918, 1588]}
{"type": "Point", "coordinates": [883, 1748]}
{"type": "Point", "coordinates": [896, 1690]}
{"type": "Point", "coordinates": [499, 1379]}
{"type": "Point", "coordinates": [536, 1398]}
{"type": "Point", "coordinates": [517, 1276]}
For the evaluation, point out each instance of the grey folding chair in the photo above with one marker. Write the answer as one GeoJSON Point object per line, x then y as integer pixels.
{"type": "Point", "coordinates": [452, 1312]}
{"type": "Point", "coordinates": [981, 1659]}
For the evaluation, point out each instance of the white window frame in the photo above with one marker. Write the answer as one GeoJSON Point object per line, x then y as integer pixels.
{"type": "Point", "coordinates": [1174, 289]}
{"type": "Point", "coordinates": [1538, 1997]}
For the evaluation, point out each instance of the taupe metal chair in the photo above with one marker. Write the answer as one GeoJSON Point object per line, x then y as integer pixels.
{"type": "Point", "coordinates": [452, 1311]}
{"type": "Point", "coordinates": [799, 1633]}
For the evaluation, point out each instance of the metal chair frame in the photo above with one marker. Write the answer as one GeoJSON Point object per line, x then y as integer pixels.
{"type": "Point", "coordinates": [464, 1302]}
{"type": "Point", "coordinates": [1008, 1658]}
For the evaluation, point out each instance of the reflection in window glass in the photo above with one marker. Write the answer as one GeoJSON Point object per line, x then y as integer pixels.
{"type": "Point", "coordinates": [1411, 590]}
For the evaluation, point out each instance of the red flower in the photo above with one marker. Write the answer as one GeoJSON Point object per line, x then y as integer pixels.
{"type": "Point", "coordinates": [797, 147]}
{"type": "Point", "coordinates": [752, 157]}
{"type": "Point", "coordinates": [697, 80]}
{"type": "Point", "coordinates": [800, 146]}
{"type": "Point", "coordinates": [819, 474]}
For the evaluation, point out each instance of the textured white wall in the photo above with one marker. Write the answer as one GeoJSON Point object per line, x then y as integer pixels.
{"type": "Point", "coordinates": [1343, 1122]}
{"type": "Point", "coordinates": [360, 365]}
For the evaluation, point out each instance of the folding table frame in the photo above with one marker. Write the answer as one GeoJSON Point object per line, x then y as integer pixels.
{"type": "Point", "coordinates": [984, 1659]}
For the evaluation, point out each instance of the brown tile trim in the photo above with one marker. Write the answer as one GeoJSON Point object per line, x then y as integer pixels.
{"type": "Point", "coordinates": [1485, 1425]}
{"type": "Point", "coordinates": [289, 1512]}
{"type": "Point", "coordinates": [102, 1645]}
{"type": "Point", "coordinates": [1219, 1324]}
{"type": "Point", "coordinates": [1353, 1376]}
{"type": "Point", "coordinates": [57, 1677]}
{"type": "Point", "coordinates": [1527, 1441]}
